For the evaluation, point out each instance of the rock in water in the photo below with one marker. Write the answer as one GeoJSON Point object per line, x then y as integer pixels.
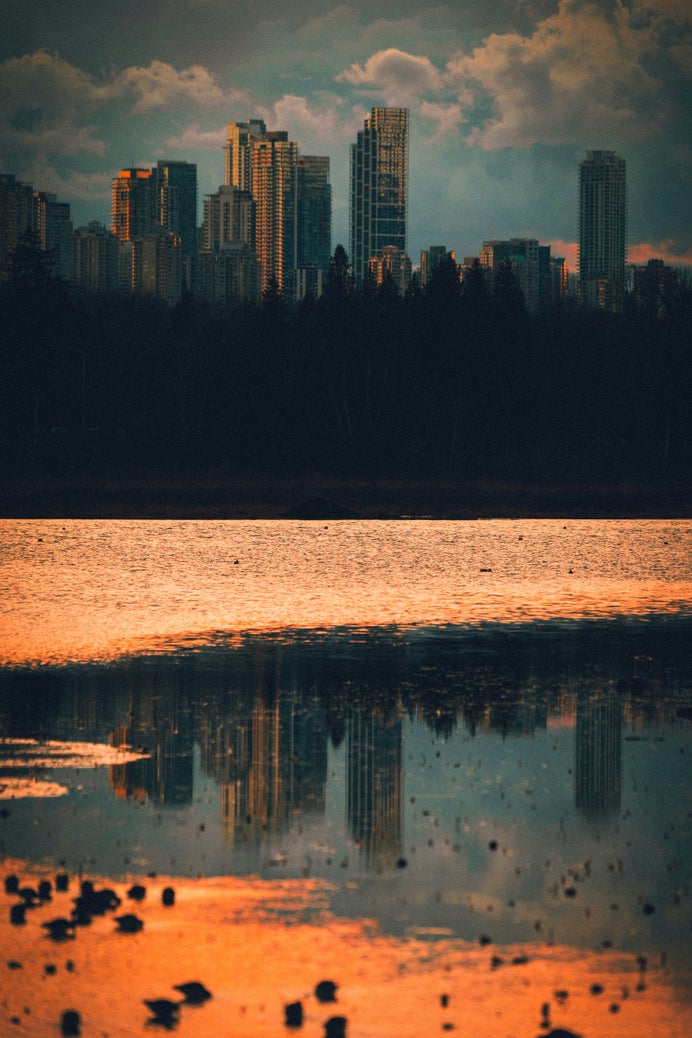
{"type": "Point", "coordinates": [294, 1014]}
{"type": "Point", "coordinates": [70, 1023]}
{"type": "Point", "coordinates": [193, 992]}
{"type": "Point", "coordinates": [326, 991]}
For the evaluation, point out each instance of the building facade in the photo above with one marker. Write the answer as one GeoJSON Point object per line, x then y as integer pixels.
{"type": "Point", "coordinates": [394, 264]}
{"type": "Point", "coordinates": [96, 258]}
{"type": "Point", "coordinates": [313, 224]}
{"type": "Point", "coordinates": [176, 201]}
{"type": "Point", "coordinates": [602, 230]}
{"type": "Point", "coordinates": [378, 187]}
{"type": "Point", "coordinates": [526, 258]}
{"type": "Point", "coordinates": [134, 203]}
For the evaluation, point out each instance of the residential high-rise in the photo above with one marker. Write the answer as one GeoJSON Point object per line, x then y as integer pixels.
{"type": "Point", "coordinates": [54, 231]}
{"type": "Point", "coordinates": [264, 162]}
{"type": "Point", "coordinates": [134, 203]}
{"type": "Point", "coordinates": [229, 215]}
{"type": "Point", "coordinates": [16, 215]}
{"type": "Point", "coordinates": [176, 201]}
{"type": "Point", "coordinates": [292, 199]}
{"type": "Point", "coordinates": [314, 212]}
{"type": "Point", "coordinates": [602, 229]}
{"type": "Point", "coordinates": [524, 255]}
{"type": "Point", "coordinates": [96, 258]}
{"type": "Point", "coordinates": [379, 187]}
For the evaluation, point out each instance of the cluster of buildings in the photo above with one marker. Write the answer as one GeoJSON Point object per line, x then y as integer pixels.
{"type": "Point", "coordinates": [269, 225]}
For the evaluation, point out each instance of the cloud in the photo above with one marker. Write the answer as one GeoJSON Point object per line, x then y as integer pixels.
{"type": "Point", "coordinates": [400, 77]}
{"type": "Point", "coordinates": [160, 85]}
{"type": "Point", "coordinates": [446, 117]}
{"type": "Point", "coordinates": [194, 138]}
{"type": "Point", "coordinates": [46, 107]}
{"type": "Point", "coordinates": [669, 251]}
{"type": "Point", "coordinates": [583, 74]}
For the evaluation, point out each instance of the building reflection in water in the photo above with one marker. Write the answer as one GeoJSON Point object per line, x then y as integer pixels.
{"type": "Point", "coordinates": [375, 787]}
{"type": "Point", "coordinates": [599, 752]}
{"type": "Point", "coordinates": [165, 775]}
{"type": "Point", "coordinates": [264, 719]}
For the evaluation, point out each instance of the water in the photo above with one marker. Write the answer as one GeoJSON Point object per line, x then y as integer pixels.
{"type": "Point", "coordinates": [471, 730]}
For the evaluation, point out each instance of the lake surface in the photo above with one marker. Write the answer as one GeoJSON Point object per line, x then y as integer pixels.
{"type": "Point", "coordinates": [477, 730]}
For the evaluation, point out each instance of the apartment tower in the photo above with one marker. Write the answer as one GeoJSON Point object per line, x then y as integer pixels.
{"type": "Point", "coordinates": [602, 229]}
{"type": "Point", "coordinates": [379, 187]}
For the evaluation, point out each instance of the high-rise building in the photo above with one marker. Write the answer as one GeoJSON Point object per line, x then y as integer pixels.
{"type": "Point", "coordinates": [157, 266]}
{"type": "Point", "coordinates": [431, 258]}
{"type": "Point", "coordinates": [134, 203]}
{"type": "Point", "coordinates": [264, 162]}
{"type": "Point", "coordinates": [237, 151]}
{"type": "Point", "coordinates": [17, 215]}
{"type": "Point", "coordinates": [602, 229]}
{"type": "Point", "coordinates": [96, 257]}
{"type": "Point", "coordinates": [54, 232]}
{"type": "Point", "coordinates": [525, 257]}
{"type": "Point", "coordinates": [394, 264]}
{"type": "Point", "coordinates": [379, 187]}
{"type": "Point", "coordinates": [176, 201]}
{"type": "Point", "coordinates": [314, 212]}
{"type": "Point", "coordinates": [229, 215]}
{"type": "Point", "coordinates": [292, 199]}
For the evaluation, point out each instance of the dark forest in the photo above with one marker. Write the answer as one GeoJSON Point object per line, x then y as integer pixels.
{"type": "Point", "coordinates": [450, 382]}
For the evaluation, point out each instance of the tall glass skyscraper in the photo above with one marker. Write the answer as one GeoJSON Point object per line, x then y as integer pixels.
{"type": "Point", "coordinates": [379, 187]}
{"type": "Point", "coordinates": [602, 229]}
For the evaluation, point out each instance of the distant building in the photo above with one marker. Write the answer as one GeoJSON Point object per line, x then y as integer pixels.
{"type": "Point", "coordinates": [393, 263]}
{"type": "Point", "coordinates": [525, 257]}
{"type": "Point", "coordinates": [54, 231]}
{"type": "Point", "coordinates": [378, 187]}
{"type": "Point", "coordinates": [313, 224]}
{"type": "Point", "coordinates": [96, 258]}
{"type": "Point", "coordinates": [134, 203]}
{"type": "Point", "coordinates": [229, 273]}
{"type": "Point", "coordinates": [602, 230]}
{"type": "Point", "coordinates": [292, 205]}
{"type": "Point", "coordinates": [431, 258]}
{"type": "Point", "coordinates": [176, 201]}
{"type": "Point", "coordinates": [157, 266]}
{"type": "Point", "coordinates": [16, 215]}
{"type": "Point", "coordinates": [653, 285]}
{"type": "Point", "coordinates": [229, 215]}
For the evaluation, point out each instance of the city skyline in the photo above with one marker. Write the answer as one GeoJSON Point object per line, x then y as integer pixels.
{"type": "Point", "coordinates": [503, 105]}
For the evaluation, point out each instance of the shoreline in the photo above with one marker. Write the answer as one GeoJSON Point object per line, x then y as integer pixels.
{"type": "Point", "coordinates": [144, 496]}
{"type": "Point", "coordinates": [259, 945]}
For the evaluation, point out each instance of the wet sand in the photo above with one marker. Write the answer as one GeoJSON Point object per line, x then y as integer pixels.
{"type": "Point", "coordinates": [258, 945]}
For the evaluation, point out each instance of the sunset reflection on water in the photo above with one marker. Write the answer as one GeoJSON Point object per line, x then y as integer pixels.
{"type": "Point", "coordinates": [88, 590]}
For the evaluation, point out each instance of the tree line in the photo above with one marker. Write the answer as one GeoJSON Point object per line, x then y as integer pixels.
{"type": "Point", "coordinates": [450, 381]}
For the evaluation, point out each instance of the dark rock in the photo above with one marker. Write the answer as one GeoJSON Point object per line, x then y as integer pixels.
{"type": "Point", "coordinates": [137, 892]}
{"type": "Point", "coordinates": [168, 896]}
{"type": "Point", "coordinates": [129, 923]}
{"type": "Point", "coordinates": [62, 881]}
{"type": "Point", "coordinates": [45, 889]}
{"type": "Point", "coordinates": [70, 1023]}
{"type": "Point", "coordinates": [193, 992]}
{"type": "Point", "coordinates": [560, 1032]}
{"type": "Point", "coordinates": [60, 929]}
{"type": "Point", "coordinates": [18, 914]}
{"type": "Point", "coordinates": [326, 991]}
{"type": "Point", "coordinates": [11, 884]}
{"type": "Point", "coordinates": [335, 1027]}
{"type": "Point", "coordinates": [293, 1014]}
{"type": "Point", "coordinates": [163, 1012]}
{"type": "Point", "coordinates": [320, 508]}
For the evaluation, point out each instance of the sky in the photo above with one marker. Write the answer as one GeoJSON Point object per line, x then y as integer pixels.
{"type": "Point", "coordinates": [505, 99]}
